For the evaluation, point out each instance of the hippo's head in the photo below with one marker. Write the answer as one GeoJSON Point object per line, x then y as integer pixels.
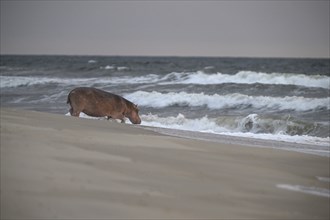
{"type": "Point", "coordinates": [133, 114]}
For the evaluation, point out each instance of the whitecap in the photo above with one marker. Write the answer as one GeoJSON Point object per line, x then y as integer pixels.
{"type": "Point", "coordinates": [122, 68]}
{"type": "Point", "coordinates": [108, 67]}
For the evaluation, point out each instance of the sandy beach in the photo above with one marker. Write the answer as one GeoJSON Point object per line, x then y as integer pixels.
{"type": "Point", "coordinates": [55, 166]}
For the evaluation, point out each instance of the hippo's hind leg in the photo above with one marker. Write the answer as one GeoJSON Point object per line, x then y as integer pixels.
{"type": "Point", "coordinates": [75, 109]}
{"type": "Point", "coordinates": [74, 113]}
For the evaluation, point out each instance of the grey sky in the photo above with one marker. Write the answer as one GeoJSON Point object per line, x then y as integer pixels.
{"type": "Point", "coordinates": [184, 28]}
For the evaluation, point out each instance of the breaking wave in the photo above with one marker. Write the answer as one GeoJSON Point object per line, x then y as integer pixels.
{"type": "Point", "coordinates": [240, 101]}
{"type": "Point", "coordinates": [252, 126]}
{"type": "Point", "coordinates": [250, 77]}
{"type": "Point", "coordinates": [198, 78]}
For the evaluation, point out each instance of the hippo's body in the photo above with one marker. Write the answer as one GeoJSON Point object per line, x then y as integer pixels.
{"type": "Point", "coordinates": [98, 103]}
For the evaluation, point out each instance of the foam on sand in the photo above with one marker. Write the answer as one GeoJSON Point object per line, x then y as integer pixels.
{"type": "Point", "coordinates": [306, 189]}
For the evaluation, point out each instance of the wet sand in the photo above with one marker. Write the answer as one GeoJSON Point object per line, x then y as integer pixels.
{"type": "Point", "coordinates": [55, 166]}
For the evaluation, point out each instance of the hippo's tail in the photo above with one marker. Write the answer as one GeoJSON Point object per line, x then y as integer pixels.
{"type": "Point", "coordinates": [68, 100]}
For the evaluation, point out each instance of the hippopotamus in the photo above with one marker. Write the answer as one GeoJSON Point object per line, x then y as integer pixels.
{"type": "Point", "coordinates": [98, 103]}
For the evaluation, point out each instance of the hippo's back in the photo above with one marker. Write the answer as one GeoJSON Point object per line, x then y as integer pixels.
{"type": "Point", "coordinates": [95, 102]}
{"type": "Point", "coordinates": [91, 94]}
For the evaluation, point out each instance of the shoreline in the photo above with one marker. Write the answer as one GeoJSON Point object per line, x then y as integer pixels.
{"type": "Point", "coordinates": [307, 148]}
{"type": "Point", "coordinates": [55, 166]}
{"type": "Point", "coordinates": [304, 148]}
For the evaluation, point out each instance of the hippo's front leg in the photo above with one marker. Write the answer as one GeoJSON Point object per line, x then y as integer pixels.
{"type": "Point", "coordinates": [122, 118]}
{"type": "Point", "coordinates": [118, 116]}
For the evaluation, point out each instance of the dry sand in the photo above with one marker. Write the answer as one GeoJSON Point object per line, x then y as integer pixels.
{"type": "Point", "coordinates": [55, 166]}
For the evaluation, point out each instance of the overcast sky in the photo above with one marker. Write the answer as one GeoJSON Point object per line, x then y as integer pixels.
{"type": "Point", "coordinates": [180, 28]}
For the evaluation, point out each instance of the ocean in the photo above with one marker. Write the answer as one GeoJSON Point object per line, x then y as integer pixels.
{"type": "Point", "coordinates": [279, 99]}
